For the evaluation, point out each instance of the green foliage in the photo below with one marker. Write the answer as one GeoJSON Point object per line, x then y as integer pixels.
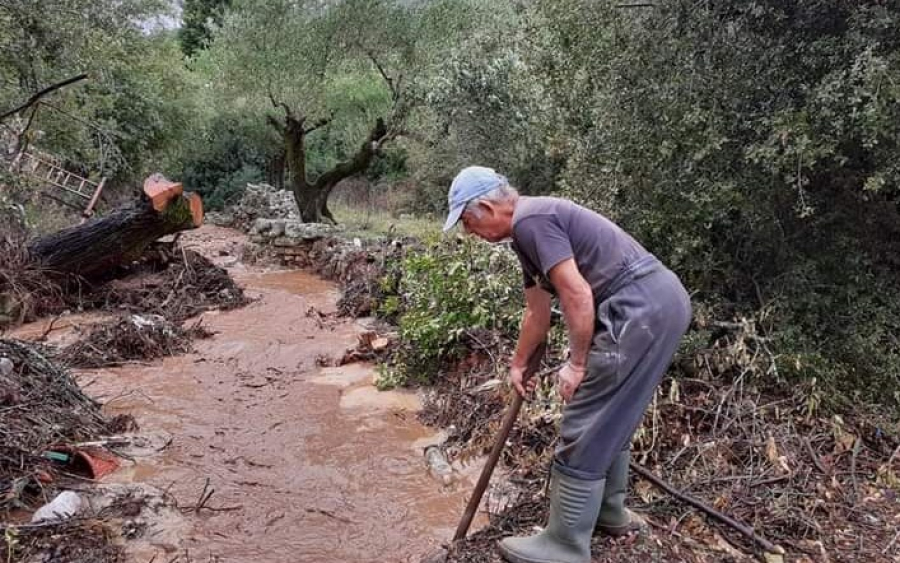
{"type": "Point", "coordinates": [225, 156]}
{"type": "Point", "coordinates": [742, 142]}
{"type": "Point", "coordinates": [197, 20]}
{"type": "Point", "coordinates": [445, 293]}
{"type": "Point", "coordinates": [131, 113]}
{"type": "Point", "coordinates": [751, 145]}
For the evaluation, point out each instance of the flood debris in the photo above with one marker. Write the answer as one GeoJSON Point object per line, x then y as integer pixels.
{"type": "Point", "coordinates": [42, 407]}
{"type": "Point", "coordinates": [820, 486]}
{"type": "Point", "coordinates": [131, 338]}
{"type": "Point", "coordinates": [95, 532]}
{"type": "Point", "coordinates": [370, 346]}
{"type": "Point", "coordinates": [177, 284]}
{"type": "Point", "coordinates": [26, 292]}
{"type": "Point", "coordinates": [168, 279]}
{"type": "Point", "coordinates": [438, 466]}
{"type": "Point", "coordinates": [52, 437]}
{"type": "Point", "coordinates": [66, 505]}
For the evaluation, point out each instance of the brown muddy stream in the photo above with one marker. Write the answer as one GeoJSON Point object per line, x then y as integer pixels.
{"type": "Point", "coordinates": [309, 464]}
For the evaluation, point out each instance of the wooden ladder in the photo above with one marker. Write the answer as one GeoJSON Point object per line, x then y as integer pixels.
{"type": "Point", "coordinates": [48, 171]}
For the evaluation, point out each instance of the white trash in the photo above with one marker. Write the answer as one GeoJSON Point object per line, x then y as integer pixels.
{"type": "Point", "coordinates": [438, 466]}
{"type": "Point", "coordinates": [6, 366]}
{"type": "Point", "coordinates": [66, 505]}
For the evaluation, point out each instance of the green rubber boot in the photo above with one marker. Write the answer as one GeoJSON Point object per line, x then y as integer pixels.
{"type": "Point", "coordinates": [615, 519]}
{"type": "Point", "coordinates": [574, 505]}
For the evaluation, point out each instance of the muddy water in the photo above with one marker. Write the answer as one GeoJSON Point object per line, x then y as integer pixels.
{"type": "Point", "coordinates": [308, 464]}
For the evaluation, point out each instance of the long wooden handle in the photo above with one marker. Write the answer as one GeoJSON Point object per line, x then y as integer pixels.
{"type": "Point", "coordinates": [534, 362]}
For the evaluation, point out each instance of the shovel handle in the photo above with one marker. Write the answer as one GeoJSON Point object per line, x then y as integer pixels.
{"type": "Point", "coordinates": [534, 362]}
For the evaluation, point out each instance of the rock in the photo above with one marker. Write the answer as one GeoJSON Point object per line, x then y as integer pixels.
{"type": "Point", "coordinates": [261, 226]}
{"type": "Point", "coordinates": [6, 366]}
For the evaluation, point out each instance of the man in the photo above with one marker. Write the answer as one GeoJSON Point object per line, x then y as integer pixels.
{"type": "Point", "coordinates": [625, 314]}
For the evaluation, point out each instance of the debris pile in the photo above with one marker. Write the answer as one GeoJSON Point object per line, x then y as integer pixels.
{"type": "Point", "coordinates": [40, 407]}
{"type": "Point", "coordinates": [178, 287]}
{"type": "Point", "coordinates": [26, 293]}
{"type": "Point", "coordinates": [823, 487]}
{"type": "Point", "coordinates": [95, 530]}
{"type": "Point", "coordinates": [362, 269]}
{"type": "Point", "coordinates": [130, 338]}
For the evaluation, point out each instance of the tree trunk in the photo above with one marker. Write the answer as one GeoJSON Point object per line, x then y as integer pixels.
{"type": "Point", "coordinates": [275, 172]}
{"type": "Point", "coordinates": [312, 197]}
{"type": "Point", "coordinates": [92, 248]}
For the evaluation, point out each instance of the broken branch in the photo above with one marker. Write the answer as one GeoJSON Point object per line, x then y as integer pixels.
{"type": "Point", "coordinates": [38, 95]}
{"type": "Point", "coordinates": [724, 518]}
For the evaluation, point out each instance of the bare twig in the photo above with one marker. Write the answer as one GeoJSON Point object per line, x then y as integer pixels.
{"type": "Point", "coordinates": [857, 445]}
{"type": "Point", "coordinates": [329, 514]}
{"type": "Point", "coordinates": [724, 518]}
{"type": "Point", "coordinates": [812, 454]}
{"type": "Point", "coordinates": [891, 544]}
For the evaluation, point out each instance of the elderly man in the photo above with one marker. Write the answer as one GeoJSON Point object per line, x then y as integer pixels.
{"type": "Point", "coordinates": [625, 314]}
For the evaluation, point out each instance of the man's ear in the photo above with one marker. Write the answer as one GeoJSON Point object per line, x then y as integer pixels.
{"type": "Point", "coordinates": [489, 206]}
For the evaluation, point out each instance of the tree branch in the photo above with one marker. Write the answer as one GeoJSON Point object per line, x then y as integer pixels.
{"type": "Point", "coordinates": [38, 95]}
{"type": "Point", "coordinates": [395, 94]}
{"type": "Point", "coordinates": [273, 121]}
{"type": "Point", "coordinates": [318, 125]}
{"type": "Point", "coordinates": [276, 104]}
{"type": "Point", "coordinates": [724, 518]}
{"type": "Point", "coordinates": [358, 162]}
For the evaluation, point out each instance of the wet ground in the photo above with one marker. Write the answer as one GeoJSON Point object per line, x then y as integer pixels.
{"type": "Point", "coordinates": [306, 463]}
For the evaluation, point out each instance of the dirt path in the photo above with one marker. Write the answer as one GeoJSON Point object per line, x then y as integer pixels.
{"type": "Point", "coordinates": [312, 464]}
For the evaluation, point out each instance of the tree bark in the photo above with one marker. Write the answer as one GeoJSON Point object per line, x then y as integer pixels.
{"type": "Point", "coordinates": [93, 248]}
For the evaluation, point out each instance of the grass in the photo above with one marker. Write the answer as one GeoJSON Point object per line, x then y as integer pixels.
{"type": "Point", "coordinates": [368, 222]}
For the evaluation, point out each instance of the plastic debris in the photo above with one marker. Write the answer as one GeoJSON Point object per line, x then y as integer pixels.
{"type": "Point", "coordinates": [66, 505]}
{"type": "Point", "coordinates": [438, 466]}
{"type": "Point", "coordinates": [6, 366]}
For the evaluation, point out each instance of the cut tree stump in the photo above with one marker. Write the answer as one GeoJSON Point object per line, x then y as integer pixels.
{"type": "Point", "coordinates": [93, 248]}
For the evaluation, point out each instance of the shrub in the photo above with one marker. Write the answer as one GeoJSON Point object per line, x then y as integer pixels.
{"type": "Point", "coordinates": [445, 295]}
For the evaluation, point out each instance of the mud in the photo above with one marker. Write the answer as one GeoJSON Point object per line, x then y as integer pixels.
{"type": "Point", "coordinates": [306, 463]}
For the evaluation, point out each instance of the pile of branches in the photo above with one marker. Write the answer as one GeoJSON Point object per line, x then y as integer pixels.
{"type": "Point", "coordinates": [176, 283]}
{"type": "Point", "coordinates": [70, 541]}
{"type": "Point", "coordinates": [26, 293]}
{"type": "Point", "coordinates": [817, 484]}
{"type": "Point", "coordinates": [93, 535]}
{"type": "Point", "coordinates": [364, 271]}
{"type": "Point", "coordinates": [40, 406]}
{"type": "Point", "coordinates": [131, 338]}
{"type": "Point", "coordinates": [824, 486]}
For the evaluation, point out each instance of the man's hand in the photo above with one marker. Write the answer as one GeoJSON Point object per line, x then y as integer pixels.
{"type": "Point", "coordinates": [569, 379]}
{"type": "Point", "coordinates": [516, 377]}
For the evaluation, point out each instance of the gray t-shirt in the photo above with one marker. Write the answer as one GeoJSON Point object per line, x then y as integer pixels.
{"type": "Point", "coordinates": [549, 230]}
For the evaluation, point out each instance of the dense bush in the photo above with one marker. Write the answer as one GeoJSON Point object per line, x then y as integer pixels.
{"type": "Point", "coordinates": [750, 145]}
{"type": "Point", "coordinates": [443, 296]}
{"type": "Point", "coordinates": [225, 157]}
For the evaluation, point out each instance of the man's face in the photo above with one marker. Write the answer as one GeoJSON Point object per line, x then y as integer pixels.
{"type": "Point", "coordinates": [489, 225]}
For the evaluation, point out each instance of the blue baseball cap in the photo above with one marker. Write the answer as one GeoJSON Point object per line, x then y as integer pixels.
{"type": "Point", "coordinates": [471, 183]}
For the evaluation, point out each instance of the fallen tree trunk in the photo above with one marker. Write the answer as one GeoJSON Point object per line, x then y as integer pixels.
{"type": "Point", "coordinates": [92, 248]}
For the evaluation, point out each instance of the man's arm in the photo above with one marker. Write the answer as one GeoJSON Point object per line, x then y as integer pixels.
{"type": "Point", "coordinates": [535, 325]}
{"type": "Point", "coordinates": [577, 302]}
